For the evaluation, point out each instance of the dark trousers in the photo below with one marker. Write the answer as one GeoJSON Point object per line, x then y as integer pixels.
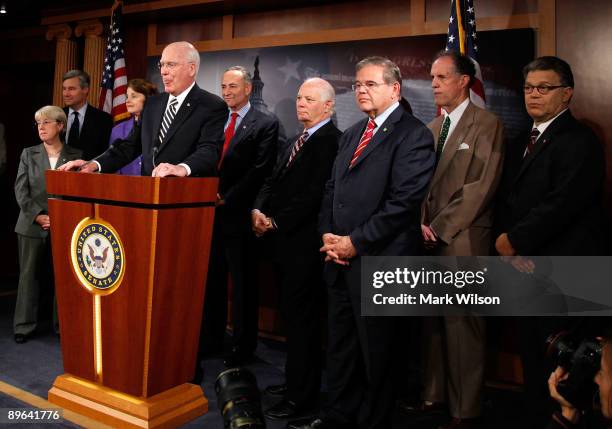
{"type": "Point", "coordinates": [301, 293]}
{"type": "Point", "coordinates": [360, 358]}
{"type": "Point", "coordinates": [232, 254]}
{"type": "Point", "coordinates": [35, 274]}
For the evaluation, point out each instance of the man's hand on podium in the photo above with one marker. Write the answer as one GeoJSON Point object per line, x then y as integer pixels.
{"type": "Point", "coordinates": [79, 165]}
{"type": "Point", "coordinates": [164, 169]}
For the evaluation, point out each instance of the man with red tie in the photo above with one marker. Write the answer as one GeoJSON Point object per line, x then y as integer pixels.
{"type": "Point", "coordinates": [371, 207]}
{"type": "Point", "coordinates": [247, 158]}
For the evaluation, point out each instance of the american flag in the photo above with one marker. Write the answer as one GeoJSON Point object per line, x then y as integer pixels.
{"type": "Point", "coordinates": [114, 75]}
{"type": "Point", "coordinates": [462, 38]}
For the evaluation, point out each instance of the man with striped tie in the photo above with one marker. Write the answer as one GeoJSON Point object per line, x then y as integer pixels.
{"type": "Point", "coordinates": [180, 132]}
{"type": "Point", "coordinates": [371, 207]}
{"type": "Point", "coordinates": [286, 211]}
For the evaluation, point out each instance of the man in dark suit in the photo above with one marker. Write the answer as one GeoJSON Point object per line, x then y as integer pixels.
{"type": "Point", "coordinates": [180, 132]}
{"type": "Point", "coordinates": [549, 203]}
{"type": "Point", "coordinates": [89, 128]}
{"type": "Point", "coordinates": [286, 210]}
{"type": "Point", "coordinates": [371, 207]}
{"type": "Point", "coordinates": [247, 159]}
{"type": "Point", "coordinates": [457, 219]}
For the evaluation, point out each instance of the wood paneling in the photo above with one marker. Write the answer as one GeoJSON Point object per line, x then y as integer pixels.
{"type": "Point", "coordinates": [585, 44]}
{"type": "Point", "coordinates": [438, 10]}
{"type": "Point", "coordinates": [326, 17]}
{"type": "Point", "coordinates": [201, 29]}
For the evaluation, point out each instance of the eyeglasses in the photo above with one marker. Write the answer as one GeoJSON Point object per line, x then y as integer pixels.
{"type": "Point", "coordinates": [542, 89]}
{"type": "Point", "coordinates": [44, 123]}
{"type": "Point", "coordinates": [368, 85]}
{"type": "Point", "coordinates": [170, 65]}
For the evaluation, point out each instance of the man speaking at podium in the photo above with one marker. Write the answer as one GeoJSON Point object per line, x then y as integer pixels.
{"type": "Point", "coordinates": [180, 132]}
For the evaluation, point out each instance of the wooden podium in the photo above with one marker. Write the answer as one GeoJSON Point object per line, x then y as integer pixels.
{"type": "Point", "coordinates": [130, 258]}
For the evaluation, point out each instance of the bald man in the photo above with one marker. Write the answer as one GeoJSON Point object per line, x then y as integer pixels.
{"type": "Point", "coordinates": [286, 210]}
{"type": "Point", "coordinates": [180, 132]}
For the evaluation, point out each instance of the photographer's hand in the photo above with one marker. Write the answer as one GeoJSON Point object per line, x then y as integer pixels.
{"type": "Point", "coordinates": [567, 410]}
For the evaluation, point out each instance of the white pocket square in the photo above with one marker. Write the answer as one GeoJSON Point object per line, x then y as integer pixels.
{"type": "Point", "coordinates": [463, 146]}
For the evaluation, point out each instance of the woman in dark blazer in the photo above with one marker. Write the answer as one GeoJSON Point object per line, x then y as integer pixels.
{"type": "Point", "coordinates": [33, 223]}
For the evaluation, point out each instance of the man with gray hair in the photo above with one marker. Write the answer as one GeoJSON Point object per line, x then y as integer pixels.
{"type": "Point", "coordinates": [88, 128]}
{"type": "Point", "coordinates": [247, 158]}
{"type": "Point", "coordinates": [371, 207]}
{"type": "Point", "coordinates": [285, 211]}
{"type": "Point", "coordinates": [180, 132]}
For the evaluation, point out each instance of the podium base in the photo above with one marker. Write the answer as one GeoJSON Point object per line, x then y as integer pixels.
{"type": "Point", "coordinates": [168, 409]}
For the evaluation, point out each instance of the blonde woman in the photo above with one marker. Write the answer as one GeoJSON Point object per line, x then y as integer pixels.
{"type": "Point", "coordinates": [33, 224]}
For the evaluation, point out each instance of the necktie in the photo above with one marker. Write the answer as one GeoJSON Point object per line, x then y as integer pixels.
{"type": "Point", "coordinates": [296, 147]}
{"type": "Point", "coordinates": [167, 119]}
{"type": "Point", "coordinates": [533, 136]}
{"type": "Point", "coordinates": [73, 135]}
{"type": "Point", "coordinates": [229, 134]}
{"type": "Point", "coordinates": [363, 142]}
{"type": "Point", "coordinates": [442, 138]}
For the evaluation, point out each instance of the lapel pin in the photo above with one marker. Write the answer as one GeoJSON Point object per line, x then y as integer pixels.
{"type": "Point", "coordinates": [188, 105]}
{"type": "Point", "coordinates": [384, 129]}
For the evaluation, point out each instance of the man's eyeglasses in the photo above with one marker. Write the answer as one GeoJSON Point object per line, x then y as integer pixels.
{"type": "Point", "coordinates": [368, 85]}
{"type": "Point", "coordinates": [170, 65]}
{"type": "Point", "coordinates": [44, 123]}
{"type": "Point", "coordinates": [542, 89]}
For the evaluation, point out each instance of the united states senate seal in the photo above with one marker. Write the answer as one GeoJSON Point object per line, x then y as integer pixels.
{"type": "Point", "coordinates": [97, 255]}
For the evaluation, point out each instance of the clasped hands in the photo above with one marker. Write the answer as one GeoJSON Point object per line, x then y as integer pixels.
{"type": "Point", "coordinates": [338, 248]}
{"type": "Point", "coordinates": [44, 221]}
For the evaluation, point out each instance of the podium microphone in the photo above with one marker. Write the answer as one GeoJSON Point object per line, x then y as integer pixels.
{"type": "Point", "coordinates": [155, 150]}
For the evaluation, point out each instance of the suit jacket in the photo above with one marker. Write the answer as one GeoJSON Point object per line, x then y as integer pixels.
{"type": "Point", "coordinates": [248, 161]}
{"type": "Point", "coordinates": [550, 201]}
{"type": "Point", "coordinates": [466, 178]}
{"type": "Point", "coordinates": [31, 186]}
{"type": "Point", "coordinates": [195, 136]}
{"type": "Point", "coordinates": [378, 201]}
{"type": "Point", "coordinates": [95, 132]}
{"type": "Point", "coordinates": [292, 195]}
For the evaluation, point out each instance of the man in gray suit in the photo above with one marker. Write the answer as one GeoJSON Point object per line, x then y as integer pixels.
{"type": "Point", "coordinates": [456, 221]}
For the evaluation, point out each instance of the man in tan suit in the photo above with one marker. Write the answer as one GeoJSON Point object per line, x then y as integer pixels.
{"type": "Point", "coordinates": [456, 221]}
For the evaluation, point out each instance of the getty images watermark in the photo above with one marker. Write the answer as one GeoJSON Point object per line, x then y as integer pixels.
{"type": "Point", "coordinates": [488, 286]}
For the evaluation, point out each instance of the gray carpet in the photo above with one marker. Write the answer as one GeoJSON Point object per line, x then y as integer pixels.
{"type": "Point", "coordinates": [34, 365]}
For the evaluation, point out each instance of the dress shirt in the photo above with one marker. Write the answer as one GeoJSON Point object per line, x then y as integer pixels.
{"type": "Point", "coordinates": [455, 116]}
{"type": "Point", "coordinates": [315, 127]}
{"type": "Point", "coordinates": [241, 114]}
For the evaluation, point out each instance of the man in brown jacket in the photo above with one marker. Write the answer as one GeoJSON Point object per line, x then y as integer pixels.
{"type": "Point", "coordinates": [456, 221]}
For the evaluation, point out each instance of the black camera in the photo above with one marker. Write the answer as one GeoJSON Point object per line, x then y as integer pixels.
{"type": "Point", "coordinates": [239, 399]}
{"type": "Point", "coordinates": [581, 358]}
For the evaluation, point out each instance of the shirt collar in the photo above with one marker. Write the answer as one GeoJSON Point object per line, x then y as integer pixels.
{"type": "Point", "coordinates": [81, 111]}
{"type": "Point", "coordinates": [181, 97]}
{"type": "Point", "coordinates": [243, 110]}
{"type": "Point", "coordinates": [380, 119]}
{"type": "Point", "coordinates": [542, 127]}
{"type": "Point", "coordinates": [316, 127]}
{"type": "Point", "coordinates": [457, 113]}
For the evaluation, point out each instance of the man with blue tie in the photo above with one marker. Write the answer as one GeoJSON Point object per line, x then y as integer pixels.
{"type": "Point", "coordinates": [371, 207]}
